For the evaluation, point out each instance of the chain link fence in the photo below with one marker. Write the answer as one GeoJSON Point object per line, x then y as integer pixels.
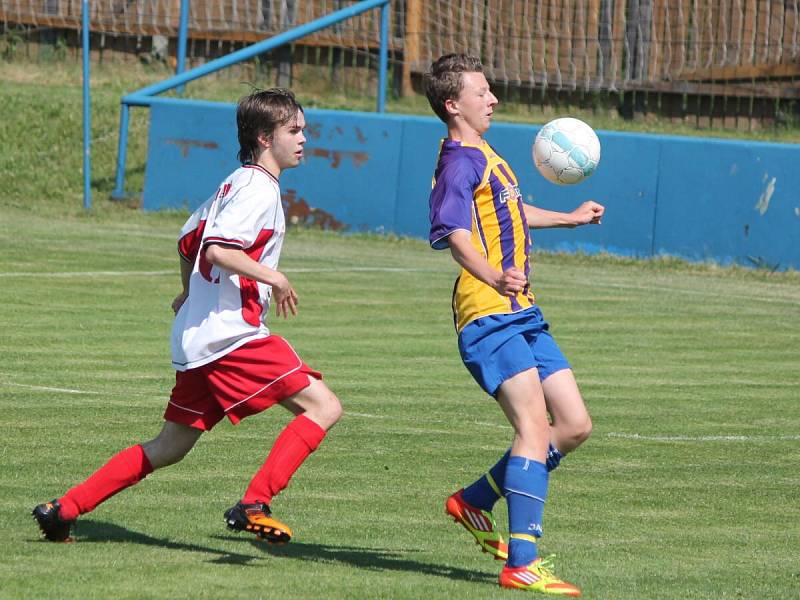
{"type": "Point", "coordinates": [713, 59]}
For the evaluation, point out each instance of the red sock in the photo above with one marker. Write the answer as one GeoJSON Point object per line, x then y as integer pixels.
{"type": "Point", "coordinates": [123, 470]}
{"type": "Point", "coordinates": [299, 439]}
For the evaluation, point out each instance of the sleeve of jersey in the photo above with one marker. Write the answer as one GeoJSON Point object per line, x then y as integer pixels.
{"type": "Point", "coordinates": [192, 234]}
{"type": "Point", "coordinates": [241, 218]}
{"type": "Point", "coordinates": [451, 201]}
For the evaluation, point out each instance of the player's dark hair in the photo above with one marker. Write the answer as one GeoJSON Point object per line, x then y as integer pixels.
{"type": "Point", "coordinates": [261, 113]}
{"type": "Point", "coordinates": [444, 82]}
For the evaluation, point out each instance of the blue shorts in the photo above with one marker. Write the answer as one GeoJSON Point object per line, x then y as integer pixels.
{"type": "Point", "coordinates": [497, 347]}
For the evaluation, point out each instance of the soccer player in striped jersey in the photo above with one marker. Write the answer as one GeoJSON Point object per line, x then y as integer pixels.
{"type": "Point", "coordinates": [476, 210]}
{"type": "Point", "coordinates": [227, 362]}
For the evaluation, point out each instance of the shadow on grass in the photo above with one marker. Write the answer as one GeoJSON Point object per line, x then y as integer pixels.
{"type": "Point", "coordinates": [372, 559]}
{"type": "Point", "coordinates": [105, 185]}
{"type": "Point", "coordinates": [88, 531]}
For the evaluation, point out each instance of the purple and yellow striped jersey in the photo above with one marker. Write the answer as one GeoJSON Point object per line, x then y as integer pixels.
{"type": "Point", "coordinates": [474, 189]}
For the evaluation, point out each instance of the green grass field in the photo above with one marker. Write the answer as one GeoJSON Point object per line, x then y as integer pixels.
{"type": "Point", "coordinates": [687, 488]}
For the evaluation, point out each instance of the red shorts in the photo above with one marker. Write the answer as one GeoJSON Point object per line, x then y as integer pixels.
{"type": "Point", "coordinates": [244, 382]}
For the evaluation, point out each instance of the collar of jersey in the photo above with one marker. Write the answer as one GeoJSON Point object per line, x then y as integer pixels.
{"type": "Point", "coordinates": [480, 146]}
{"type": "Point", "coordinates": [262, 169]}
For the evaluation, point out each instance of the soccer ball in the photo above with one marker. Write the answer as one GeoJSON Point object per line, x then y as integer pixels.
{"type": "Point", "coordinates": [566, 151]}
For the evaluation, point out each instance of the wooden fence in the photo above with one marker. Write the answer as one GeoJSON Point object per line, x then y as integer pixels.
{"type": "Point", "coordinates": [737, 48]}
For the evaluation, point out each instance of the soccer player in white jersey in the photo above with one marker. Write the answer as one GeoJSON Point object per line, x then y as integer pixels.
{"type": "Point", "coordinates": [227, 362]}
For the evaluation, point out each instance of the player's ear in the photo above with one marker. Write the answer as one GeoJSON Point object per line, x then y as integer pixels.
{"type": "Point", "coordinates": [264, 140]}
{"type": "Point", "coordinates": [451, 106]}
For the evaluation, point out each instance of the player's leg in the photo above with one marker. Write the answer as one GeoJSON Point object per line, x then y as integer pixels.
{"type": "Point", "coordinates": [491, 355]}
{"type": "Point", "coordinates": [522, 400]}
{"type": "Point", "coordinates": [526, 478]}
{"type": "Point", "coordinates": [317, 403]}
{"type": "Point", "coordinates": [171, 445]}
{"type": "Point", "coordinates": [129, 467]}
{"type": "Point", "coordinates": [472, 507]}
{"type": "Point", "coordinates": [570, 427]}
{"type": "Point", "coordinates": [571, 424]}
{"type": "Point", "coordinates": [126, 468]}
{"type": "Point", "coordinates": [487, 489]}
{"type": "Point", "coordinates": [190, 411]}
{"type": "Point", "coordinates": [317, 409]}
{"type": "Point", "coordinates": [275, 375]}
{"type": "Point", "coordinates": [494, 350]}
{"type": "Point", "coordinates": [526, 482]}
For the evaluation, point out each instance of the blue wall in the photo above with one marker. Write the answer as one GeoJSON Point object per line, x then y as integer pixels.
{"type": "Point", "coordinates": [730, 201]}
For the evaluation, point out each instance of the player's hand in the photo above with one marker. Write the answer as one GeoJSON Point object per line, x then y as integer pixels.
{"type": "Point", "coordinates": [285, 297]}
{"type": "Point", "coordinates": [178, 302]}
{"type": "Point", "coordinates": [589, 213]}
{"type": "Point", "coordinates": [510, 282]}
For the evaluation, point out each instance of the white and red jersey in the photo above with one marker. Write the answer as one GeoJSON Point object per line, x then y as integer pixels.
{"type": "Point", "coordinates": [225, 310]}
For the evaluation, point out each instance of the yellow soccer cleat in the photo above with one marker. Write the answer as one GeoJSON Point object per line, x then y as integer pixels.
{"type": "Point", "coordinates": [480, 523]}
{"type": "Point", "coordinates": [257, 519]}
{"type": "Point", "coordinates": [537, 577]}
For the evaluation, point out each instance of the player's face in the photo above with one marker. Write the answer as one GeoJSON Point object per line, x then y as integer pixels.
{"type": "Point", "coordinates": [476, 102]}
{"type": "Point", "coordinates": [287, 142]}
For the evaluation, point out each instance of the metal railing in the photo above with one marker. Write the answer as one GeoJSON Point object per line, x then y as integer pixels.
{"type": "Point", "coordinates": [145, 96]}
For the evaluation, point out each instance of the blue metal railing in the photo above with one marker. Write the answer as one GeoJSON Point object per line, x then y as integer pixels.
{"type": "Point", "coordinates": [183, 34]}
{"type": "Point", "coordinates": [143, 97]}
{"type": "Point", "coordinates": [87, 115]}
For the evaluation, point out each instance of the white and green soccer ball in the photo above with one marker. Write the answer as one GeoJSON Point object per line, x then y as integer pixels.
{"type": "Point", "coordinates": [566, 151]}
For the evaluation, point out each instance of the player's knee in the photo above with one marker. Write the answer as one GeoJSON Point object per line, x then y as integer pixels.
{"type": "Point", "coordinates": [170, 458]}
{"type": "Point", "coordinates": [161, 453]}
{"type": "Point", "coordinates": [321, 405]}
{"type": "Point", "coordinates": [330, 409]}
{"type": "Point", "coordinates": [532, 433]}
{"type": "Point", "coordinates": [581, 431]}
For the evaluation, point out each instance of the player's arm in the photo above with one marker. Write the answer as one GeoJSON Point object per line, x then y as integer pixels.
{"type": "Point", "coordinates": [186, 273]}
{"type": "Point", "coordinates": [508, 283]}
{"type": "Point", "coordinates": [590, 212]}
{"type": "Point", "coordinates": [236, 261]}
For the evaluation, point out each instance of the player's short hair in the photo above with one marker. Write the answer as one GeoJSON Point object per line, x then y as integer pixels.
{"type": "Point", "coordinates": [444, 81]}
{"type": "Point", "coordinates": [262, 112]}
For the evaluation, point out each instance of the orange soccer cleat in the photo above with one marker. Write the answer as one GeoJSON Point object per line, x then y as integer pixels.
{"type": "Point", "coordinates": [257, 519]}
{"type": "Point", "coordinates": [537, 577]}
{"type": "Point", "coordinates": [480, 523]}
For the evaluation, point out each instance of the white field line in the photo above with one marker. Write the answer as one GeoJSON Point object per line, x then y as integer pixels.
{"type": "Point", "coordinates": [611, 434]}
{"type": "Point", "coordinates": [594, 284]}
{"type": "Point", "coordinates": [365, 270]}
{"type": "Point", "coordinates": [174, 272]}
{"type": "Point", "coordinates": [43, 388]}
{"type": "Point", "coordinates": [70, 274]}
{"type": "Point", "coordinates": [363, 415]}
{"type": "Point", "coordinates": [691, 292]}
{"type": "Point", "coordinates": [702, 438]}
{"type": "Point", "coordinates": [628, 436]}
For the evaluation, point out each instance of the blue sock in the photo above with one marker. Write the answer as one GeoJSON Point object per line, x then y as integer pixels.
{"type": "Point", "coordinates": [487, 490]}
{"type": "Point", "coordinates": [554, 457]}
{"type": "Point", "coordinates": [526, 491]}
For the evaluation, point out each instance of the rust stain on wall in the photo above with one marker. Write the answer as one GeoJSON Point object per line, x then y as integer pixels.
{"type": "Point", "coordinates": [298, 212]}
{"type": "Point", "coordinates": [314, 130]}
{"type": "Point", "coordinates": [184, 144]}
{"type": "Point", "coordinates": [336, 156]}
{"type": "Point", "coordinates": [360, 135]}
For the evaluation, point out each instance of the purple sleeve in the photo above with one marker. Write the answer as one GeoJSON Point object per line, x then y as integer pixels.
{"type": "Point", "coordinates": [451, 201]}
